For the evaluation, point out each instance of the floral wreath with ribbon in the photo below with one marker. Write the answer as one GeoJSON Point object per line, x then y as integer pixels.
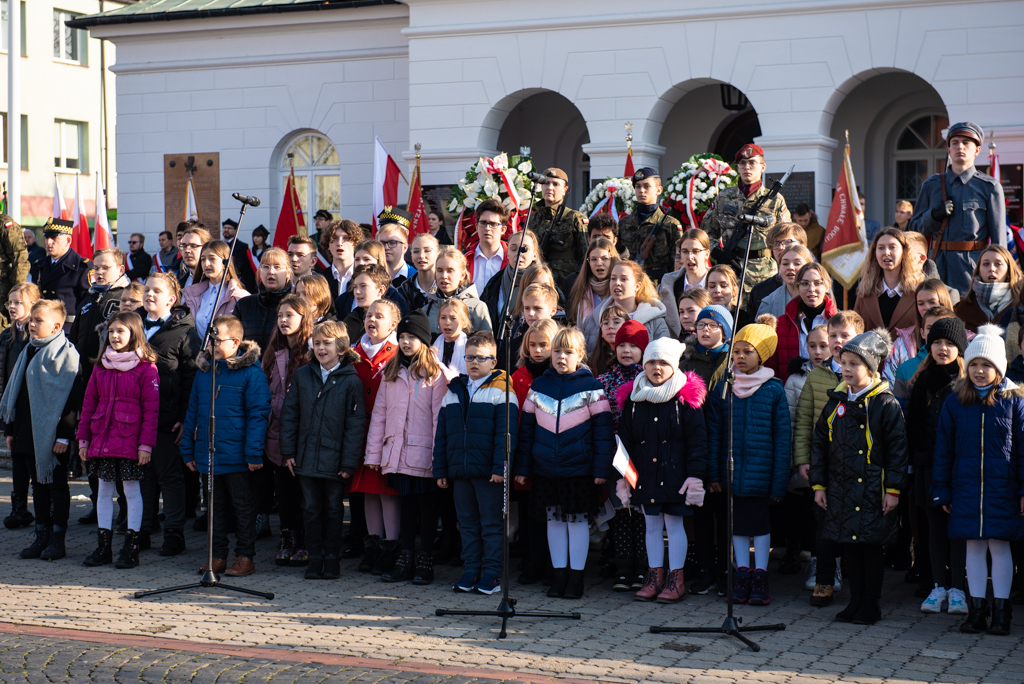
{"type": "Point", "coordinates": [691, 191]}
{"type": "Point", "coordinates": [503, 178]}
{"type": "Point", "coordinates": [613, 192]}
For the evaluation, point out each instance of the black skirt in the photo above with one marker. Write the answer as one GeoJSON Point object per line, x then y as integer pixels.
{"type": "Point", "coordinates": [572, 496]}
{"type": "Point", "coordinates": [410, 484]}
{"type": "Point", "coordinates": [678, 509]}
{"type": "Point", "coordinates": [750, 516]}
{"type": "Point", "coordinates": [115, 469]}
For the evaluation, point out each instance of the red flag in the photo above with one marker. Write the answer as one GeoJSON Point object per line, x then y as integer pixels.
{"type": "Point", "coordinates": [845, 245]}
{"type": "Point", "coordinates": [81, 242]}
{"type": "Point", "coordinates": [102, 238]}
{"type": "Point", "coordinates": [385, 181]}
{"type": "Point", "coordinates": [419, 224]}
{"type": "Point", "coordinates": [290, 221]}
{"type": "Point", "coordinates": [628, 173]}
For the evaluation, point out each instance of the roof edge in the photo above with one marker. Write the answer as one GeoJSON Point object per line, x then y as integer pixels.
{"type": "Point", "coordinates": [110, 20]}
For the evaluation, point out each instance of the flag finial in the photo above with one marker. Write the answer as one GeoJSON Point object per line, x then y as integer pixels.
{"type": "Point", "coordinates": [847, 136]}
{"type": "Point", "coordinates": [992, 140]}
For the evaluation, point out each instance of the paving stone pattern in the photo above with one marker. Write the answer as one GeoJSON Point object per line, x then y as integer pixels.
{"type": "Point", "coordinates": [359, 616]}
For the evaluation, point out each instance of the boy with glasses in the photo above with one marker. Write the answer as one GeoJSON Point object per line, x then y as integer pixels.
{"type": "Point", "coordinates": [778, 239]}
{"type": "Point", "coordinates": [491, 253]}
{"type": "Point", "coordinates": [393, 233]}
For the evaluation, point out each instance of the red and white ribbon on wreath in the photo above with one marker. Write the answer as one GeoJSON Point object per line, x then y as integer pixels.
{"type": "Point", "coordinates": [714, 169]}
{"type": "Point", "coordinates": [500, 167]}
{"type": "Point", "coordinates": [609, 200]}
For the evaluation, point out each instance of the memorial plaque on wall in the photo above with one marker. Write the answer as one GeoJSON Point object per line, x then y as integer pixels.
{"type": "Point", "coordinates": [1012, 178]}
{"type": "Point", "coordinates": [438, 197]}
{"type": "Point", "coordinates": [205, 169]}
{"type": "Point", "coordinates": [799, 189]}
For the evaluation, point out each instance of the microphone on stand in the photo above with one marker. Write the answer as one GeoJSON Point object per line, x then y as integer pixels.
{"type": "Point", "coordinates": [251, 201]}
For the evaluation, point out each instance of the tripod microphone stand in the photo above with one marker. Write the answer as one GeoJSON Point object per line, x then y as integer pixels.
{"type": "Point", "coordinates": [210, 578]}
{"type": "Point", "coordinates": [731, 625]}
{"type": "Point", "coordinates": [507, 606]}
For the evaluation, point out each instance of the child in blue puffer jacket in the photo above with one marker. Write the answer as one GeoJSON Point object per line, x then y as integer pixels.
{"type": "Point", "coordinates": [567, 442]}
{"type": "Point", "coordinates": [761, 451]}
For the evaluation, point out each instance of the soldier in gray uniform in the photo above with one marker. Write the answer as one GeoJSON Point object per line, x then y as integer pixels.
{"type": "Point", "coordinates": [968, 216]}
{"type": "Point", "coordinates": [720, 221]}
{"type": "Point", "coordinates": [560, 230]}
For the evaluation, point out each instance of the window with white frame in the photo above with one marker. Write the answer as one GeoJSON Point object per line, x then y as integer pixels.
{"type": "Point", "coordinates": [69, 45]}
{"type": "Point", "coordinates": [3, 26]}
{"type": "Point", "coordinates": [71, 145]}
{"type": "Point", "coordinates": [24, 139]}
{"type": "Point", "coordinates": [317, 173]}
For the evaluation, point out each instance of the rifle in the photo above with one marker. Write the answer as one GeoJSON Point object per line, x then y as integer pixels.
{"type": "Point", "coordinates": [726, 254]}
{"type": "Point", "coordinates": [641, 257]}
{"type": "Point", "coordinates": [945, 221]}
{"type": "Point", "coordinates": [546, 237]}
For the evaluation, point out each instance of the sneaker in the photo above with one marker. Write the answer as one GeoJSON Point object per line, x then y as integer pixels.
{"type": "Point", "coordinates": [812, 574]}
{"type": "Point", "coordinates": [837, 583]}
{"type": "Point", "coordinates": [703, 584]}
{"type": "Point", "coordinates": [957, 602]}
{"type": "Point", "coordinates": [488, 585]}
{"type": "Point", "coordinates": [935, 601]}
{"type": "Point", "coordinates": [467, 582]}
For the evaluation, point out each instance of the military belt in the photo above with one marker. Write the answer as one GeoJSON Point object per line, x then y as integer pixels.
{"type": "Point", "coordinates": [962, 246]}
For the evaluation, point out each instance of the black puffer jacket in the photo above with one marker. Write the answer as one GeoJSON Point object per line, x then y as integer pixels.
{"type": "Point", "coordinates": [323, 425]}
{"type": "Point", "coordinates": [93, 314]}
{"type": "Point", "coordinates": [702, 361]}
{"type": "Point", "coordinates": [928, 395]}
{"type": "Point", "coordinates": [12, 341]}
{"type": "Point", "coordinates": [859, 452]}
{"type": "Point", "coordinates": [258, 313]}
{"type": "Point", "coordinates": [176, 344]}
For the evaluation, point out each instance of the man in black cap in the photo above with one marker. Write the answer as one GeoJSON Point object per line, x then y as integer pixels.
{"type": "Point", "coordinates": [63, 274]}
{"type": "Point", "coordinates": [320, 220]}
{"type": "Point", "coordinates": [962, 208]}
{"type": "Point", "coordinates": [393, 232]}
{"type": "Point", "coordinates": [648, 233]}
{"type": "Point", "coordinates": [560, 230]}
{"type": "Point", "coordinates": [240, 257]}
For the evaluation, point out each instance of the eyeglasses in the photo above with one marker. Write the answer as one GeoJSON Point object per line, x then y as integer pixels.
{"type": "Point", "coordinates": [690, 252]}
{"type": "Point", "coordinates": [489, 224]}
{"type": "Point", "coordinates": [707, 325]}
{"type": "Point", "coordinates": [598, 260]}
{"type": "Point", "coordinates": [191, 247]}
{"type": "Point", "coordinates": [811, 283]}
{"type": "Point", "coordinates": [786, 243]}
{"type": "Point", "coordinates": [391, 244]}
{"type": "Point", "coordinates": [473, 358]}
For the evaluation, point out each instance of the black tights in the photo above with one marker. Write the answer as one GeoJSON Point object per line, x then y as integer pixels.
{"type": "Point", "coordinates": [55, 496]}
{"type": "Point", "coordinates": [289, 498]}
{"type": "Point", "coordinates": [419, 514]}
{"type": "Point", "coordinates": [865, 567]}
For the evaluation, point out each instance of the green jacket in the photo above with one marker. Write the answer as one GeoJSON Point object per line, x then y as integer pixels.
{"type": "Point", "coordinates": [13, 260]}
{"type": "Point", "coordinates": [720, 221]}
{"type": "Point", "coordinates": [562, 237]}
{"type": "Point", "coordinates": [632, 234]}
{"type": "Point", "coordinates": [813, 398]}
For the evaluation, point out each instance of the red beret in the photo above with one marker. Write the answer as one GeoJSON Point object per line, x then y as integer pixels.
{"type": "Point", "coordinates": [747, 151]}
{"type": "Point", "coordinates": [634, 333]}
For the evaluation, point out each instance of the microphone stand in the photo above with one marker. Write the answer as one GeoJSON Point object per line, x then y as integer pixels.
{"type": "Point", "coordinates": [731, 625]}
{"type": "Point", "coordinates": [507, 606]}
{"type": "Point", "coordinates": [210, 578]}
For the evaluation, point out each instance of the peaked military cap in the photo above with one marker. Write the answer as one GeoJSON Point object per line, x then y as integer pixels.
{"type": "Point", "coordinates": [323, 214]}
{"type": "Point", "coordinates": [57, 226]}
{"type": "Point", "coordinates": [967, 130]}
{"type": "Point", "coordinates": [394, 215]}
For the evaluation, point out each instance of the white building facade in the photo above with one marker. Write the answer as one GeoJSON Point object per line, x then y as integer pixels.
{"type": "Point", "coordinates": [469, 79]}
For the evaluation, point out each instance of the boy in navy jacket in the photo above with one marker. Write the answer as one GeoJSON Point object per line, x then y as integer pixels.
{"type": "Point", "coordinates": [469, 454]}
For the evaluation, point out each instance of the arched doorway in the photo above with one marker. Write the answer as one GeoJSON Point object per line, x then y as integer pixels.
{"type": "Point", "coordinates": [317, 172]}
{"type": "Point", "coordinates": [710, 117]}
{"type": "Point", "coordinates": [555, 131]}
{"type": "Point", "coordinates": [918, 151]}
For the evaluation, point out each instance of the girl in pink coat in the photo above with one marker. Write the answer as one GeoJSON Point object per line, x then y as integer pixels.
{"type": "Point", "coordinates": [117, 431]}
{"type": "Point", "coordinates": [400, 442]}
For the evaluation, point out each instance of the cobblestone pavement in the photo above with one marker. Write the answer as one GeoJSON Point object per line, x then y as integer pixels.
{"type": "Point", "coordinates": [393, 627]}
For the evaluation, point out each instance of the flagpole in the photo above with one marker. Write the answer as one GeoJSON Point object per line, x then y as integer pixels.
{"type": "Point", "coordinates": [415, 173]}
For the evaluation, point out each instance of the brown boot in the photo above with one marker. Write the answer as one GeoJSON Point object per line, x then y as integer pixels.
{"type": "Point", "coordinates": [674, 591]}
{"type": "Point", "coordinates": [241, 567]}
{"type": "Point", "coordinates": [652, 585]}
{"type": "Point", "coordinates": [218, 566]}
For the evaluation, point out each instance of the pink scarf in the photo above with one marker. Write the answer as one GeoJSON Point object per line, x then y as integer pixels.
{"type": "Point", "coordinates": [746, 385]}
{"type": "Point", "coordinates": [122, 361]}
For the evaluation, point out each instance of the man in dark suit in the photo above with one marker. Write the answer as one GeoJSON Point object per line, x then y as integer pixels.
{"type": "Point", "coordinates": [63, 274]}
{"type": "Point", "coordinates": [137, 262]}
{"type": "Point", "coordinates": [240, 257]}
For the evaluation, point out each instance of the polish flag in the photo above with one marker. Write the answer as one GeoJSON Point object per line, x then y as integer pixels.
{"type": "Point", "coordinates": [60, 207]}
{"type": "Point", "coordinates": [385, 181]}
{"type": "Point", "coordinates": [103, 238]}
{"type": "Point", "coordinates": [80, 241]}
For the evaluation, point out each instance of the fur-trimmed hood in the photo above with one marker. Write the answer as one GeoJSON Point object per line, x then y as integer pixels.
{"type": "Point", "coordinates": [691, 394]}
{"type": "Point", "coordinates": [248, 354]}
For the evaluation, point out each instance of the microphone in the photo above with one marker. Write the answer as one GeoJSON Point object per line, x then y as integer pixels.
{"type": "Point", "coordinates": [251, 201]}
{"type": "Point", "coordinates": [537, 177]}
{"type": "Point", "coordinates": [761, 221]}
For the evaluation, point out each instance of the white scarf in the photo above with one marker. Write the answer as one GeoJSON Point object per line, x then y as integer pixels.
{"type": "Point", "coordinates": [643, 390]}
{"type": "Point", "coordinates": [458, 363]}
{"type": "Point", "coordinates": [746, 384]}
{"type": "Point", "coordinates": [371, 349]}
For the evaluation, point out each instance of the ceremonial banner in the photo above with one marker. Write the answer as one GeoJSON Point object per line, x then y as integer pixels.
{"type": "Point", "coordinates": [290, 221]}
{"type": "Point", "coordinates": [103, 237]}
{"type": "Point", "coordinates": [80, 239]}
{"type": "Point", "coordinates": [385, 181]}
{"type": "Point", "coordinates": [419, 224]}
{"type": "Point", "coordinates": [845, 246]}
{"type": "Point", "coordinates": [628, 173]}
{"type": "Point", "coordinates": [191, 208]}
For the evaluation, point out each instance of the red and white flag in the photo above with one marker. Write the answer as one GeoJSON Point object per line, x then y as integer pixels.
{"type": "Point", "coordinates": [845, 247]}
{"type": "Point", "coordinates": [385, 181]}
{"type": "Point", "coordinates": [253, 264]}
{"type": "Point", "coordinates": [80, 240]}
{"type": "Point", "coordinates": [419, 224]}
{"type": "Point", "coordinates": [60, 207]}
{"type": "Point", "coordinates": [103, 238]}
{"type": "Point", "coordinates": [290, 221]}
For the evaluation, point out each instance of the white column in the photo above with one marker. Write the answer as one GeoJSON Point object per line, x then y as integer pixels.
{"type": "Point", "coordinates": [14, 109]}
{"type": "Point", "coordinates": [609, 158]}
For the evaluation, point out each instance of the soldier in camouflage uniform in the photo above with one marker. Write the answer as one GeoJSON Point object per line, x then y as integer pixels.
{"type": "Point", "coordinates": [648, 233]}
{"type": "Point", "coordinates": [740, 199]}
{"type": "Point", "coordinates": [560, 230]}
{"type": "Point", "coordinates": [13, 261]}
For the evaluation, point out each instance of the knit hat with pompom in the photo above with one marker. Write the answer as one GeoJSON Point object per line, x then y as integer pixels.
{"type": "Point", "coordinates": [988, 344]}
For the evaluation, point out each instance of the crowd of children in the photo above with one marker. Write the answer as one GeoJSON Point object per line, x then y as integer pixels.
{"type": "Point", "coordinates": [622, 406]}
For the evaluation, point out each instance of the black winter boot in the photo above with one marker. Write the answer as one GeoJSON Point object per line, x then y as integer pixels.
{"type": "Point", "coordinates": [977, 617]}
{"type": "Point", "coordinates": [332, 567]}
{"type": "Point", "coordinates": [174, 543]}
{"type": "Point", "coordinates": [402, 571]}
{"type": "Point", "coordinates": [559, 581]}
{"type": "Point", "coordinates": [574, 585]}
{"type": "Point", "coordinates": [389, 550]}
{"type": "Point", "coordinates": [1002, 614]}
{"type": "Point", "coordinates": [424, 573]}
{"type": "Point", "coordinates": [41, 542]}
{"type": "Point", "coordinates": [129, 556]}
{"type": "Point", "coordinates": [103, 555]}
{"type": "Point", "coordinates": [20, 515]}
{"type": "Point", "coordinates": [371, 551]}
{"type": "Point", "coordinates": [55, 549]}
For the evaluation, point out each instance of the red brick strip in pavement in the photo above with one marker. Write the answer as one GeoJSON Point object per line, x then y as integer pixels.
{"type": "Point", "coordinates": [296, 656]}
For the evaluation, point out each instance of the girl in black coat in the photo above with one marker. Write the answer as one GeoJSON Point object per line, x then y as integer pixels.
{"type": "Point", "coordinates": [662, 430]}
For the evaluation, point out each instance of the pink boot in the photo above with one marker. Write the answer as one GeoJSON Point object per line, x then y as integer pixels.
{"type": "Point", "coordinates": [652, 585]}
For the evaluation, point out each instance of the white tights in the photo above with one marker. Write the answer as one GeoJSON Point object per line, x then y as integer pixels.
{"type": "Point", "coordinates": [762, 547]}
{"type": "Point", "coordinates": [977, 567]}
{"type": "Point", "coordinates": [568, 542]}
{"type": "Point", "coordinates": [383, 515]}
{"type": "Point", "coordinates": [676, 541]}
{"type": "Point", "coordinates": [105, 504]}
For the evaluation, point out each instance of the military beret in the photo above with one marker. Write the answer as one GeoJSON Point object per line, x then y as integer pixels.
{"type": "Point", "coordinates": [556, 173]}
{"type": "Point", "coordinates": [56, 226]}
{"type": "Point", "coordinates": [747, 151]}
{"type": "Point", "coordinates": [229, 222]}
{"type": "Point", "coordinates": [323, 214]}
{"type": "Point", "coordinates": [645, 173]}
{"type": "Point", "coordinates": [393, 215]}
{"type": "Point", "coordinates": [967, 130]}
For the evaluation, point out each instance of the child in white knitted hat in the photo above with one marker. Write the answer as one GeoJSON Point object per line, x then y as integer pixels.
{"type": "Point", "coordinates": [662, 429]}
{"type": "Point", "coordinates": [978, 475]}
